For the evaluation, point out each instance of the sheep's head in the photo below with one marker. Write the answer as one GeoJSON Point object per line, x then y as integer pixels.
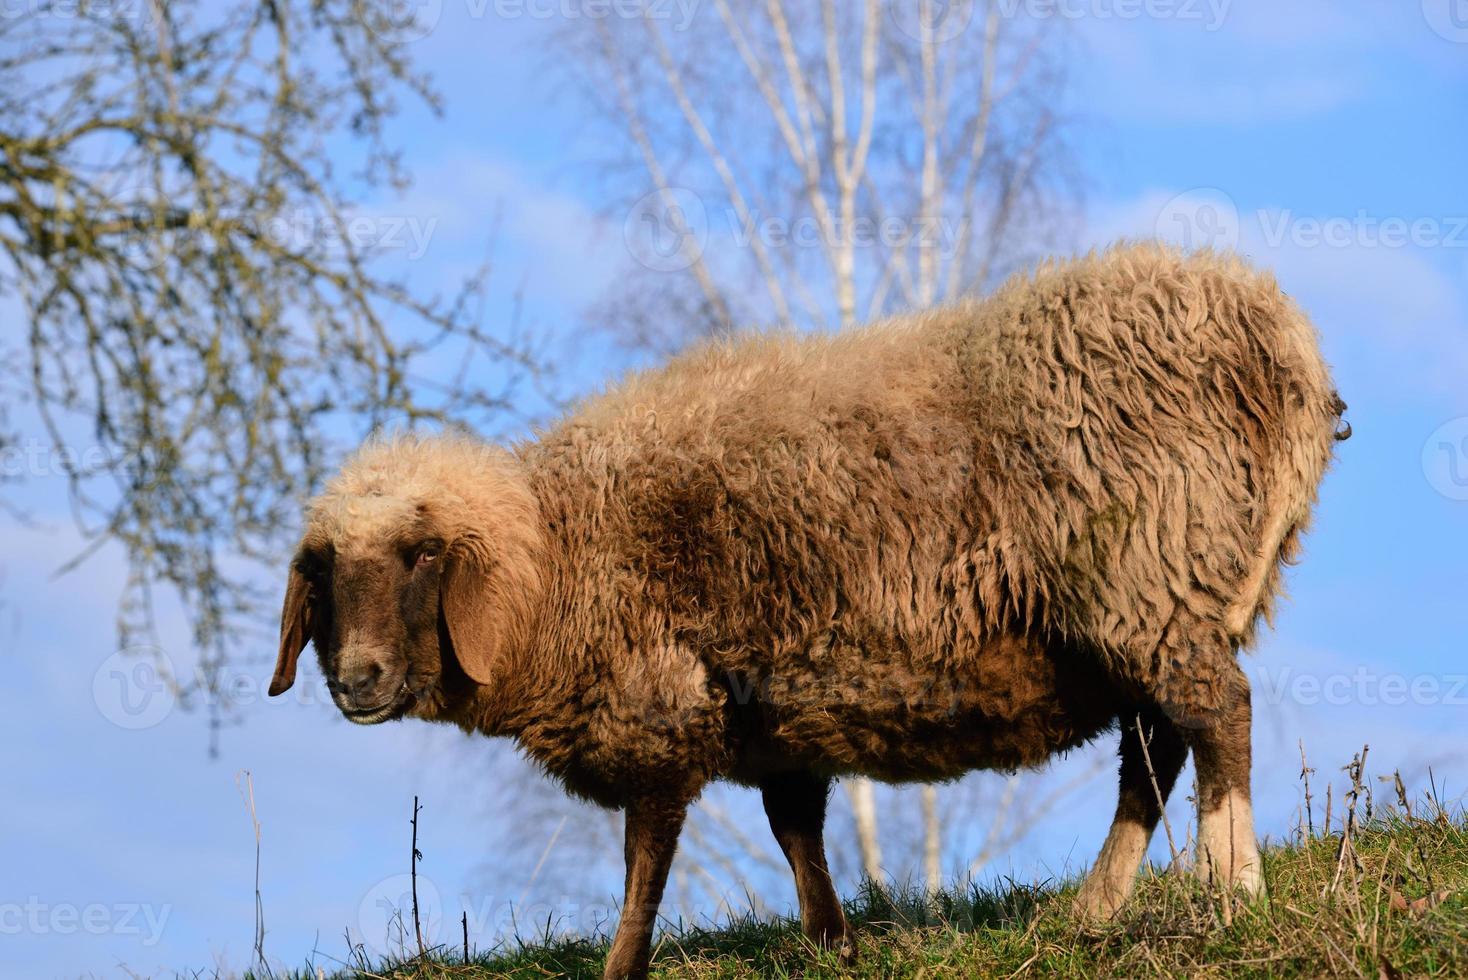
{"type": "Point", "coordinates": [418, 570]}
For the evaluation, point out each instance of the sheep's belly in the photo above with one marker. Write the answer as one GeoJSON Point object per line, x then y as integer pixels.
{"type": "Point", "coordinates": [1014, 706]}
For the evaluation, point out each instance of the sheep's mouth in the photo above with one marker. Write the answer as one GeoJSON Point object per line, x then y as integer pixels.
{"type": "Point", "coordinates": [393, 708]}
{"type": "Point", "coordinates": [376, 716]}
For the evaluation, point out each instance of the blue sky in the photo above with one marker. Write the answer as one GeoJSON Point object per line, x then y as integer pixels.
{"type": "Point", "coordinates": [1324, 139]}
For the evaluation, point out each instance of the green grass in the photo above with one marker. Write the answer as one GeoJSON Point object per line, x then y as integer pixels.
{"type": "Point", "coordinates": [1325, 915]}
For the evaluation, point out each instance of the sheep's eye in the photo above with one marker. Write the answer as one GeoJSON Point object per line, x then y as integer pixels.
{"type": "Point", "coordinates": [427, 555]}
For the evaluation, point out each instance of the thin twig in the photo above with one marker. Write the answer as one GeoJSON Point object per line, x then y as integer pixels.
{"type": "Point", "coordinates": [1157, 790]}
{"type": "Point", "coordinates": [1305, 772]}
{"type": "Point", "coordinates": [247, 791]}
{"type": "Point", "coordinates": [1347, 847]}
{"type": "Point", "coordinates": [543, 855]}
{"type": "Point", "coordinates": [413, 874]}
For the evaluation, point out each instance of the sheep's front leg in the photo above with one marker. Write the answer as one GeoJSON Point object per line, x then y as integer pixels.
{"type": "Point", "coordinates": [795, 802]}
{"type": "Point", "coordinates": [652, 827]}
{"type": "Point", "coordinates": [1137, 810]}
{"type": "Point", "coordinates": [1227, 850]}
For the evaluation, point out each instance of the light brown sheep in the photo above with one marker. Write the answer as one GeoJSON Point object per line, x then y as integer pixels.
{"type": "Point", "coordinates": [970, 538]}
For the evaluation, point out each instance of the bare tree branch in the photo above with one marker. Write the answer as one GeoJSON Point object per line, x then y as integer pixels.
{"type": "Point", "coordinates": [203, 306]}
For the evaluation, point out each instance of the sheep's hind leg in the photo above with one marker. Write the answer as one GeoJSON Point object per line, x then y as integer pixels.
{"type": "Point", "coordinates": [1137, 810]}
{"type": "Point", "coordinates": [652, 828]}
{"type": "Point", "coordinates": [1227, 850]}
{"type": "Point", "coordinates": [795, 802]}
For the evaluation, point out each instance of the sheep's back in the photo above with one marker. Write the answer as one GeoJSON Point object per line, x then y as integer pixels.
{"type": "Point", "coordinates": [1092, 454]}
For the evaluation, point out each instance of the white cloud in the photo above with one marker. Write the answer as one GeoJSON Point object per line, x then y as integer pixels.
{"type": "Point", "coordinates": [546, 238]}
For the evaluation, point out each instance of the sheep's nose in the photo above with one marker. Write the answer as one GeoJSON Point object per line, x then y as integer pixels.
{"type": "Point", "coordinates": [358, 681]}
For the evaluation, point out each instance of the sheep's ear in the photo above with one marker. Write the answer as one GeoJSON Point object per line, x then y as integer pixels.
{"type": "Point", "coordinates": [295, 630]}
{"type": "Point", "coordinates": [473, 617]}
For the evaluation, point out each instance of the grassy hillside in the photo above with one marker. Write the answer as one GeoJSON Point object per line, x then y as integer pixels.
{"type": "Point", "coordinates": [1392, 901]}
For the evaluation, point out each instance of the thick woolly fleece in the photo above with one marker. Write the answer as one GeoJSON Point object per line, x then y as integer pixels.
{"type": "Point", "coordinates": [966, 538]}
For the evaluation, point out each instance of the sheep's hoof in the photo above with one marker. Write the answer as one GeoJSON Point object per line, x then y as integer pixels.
{"type": "Point", "coordinates": [1241, 872]}
{"type": "Point", "coordinates": [1246, 882]}
{"type": "Point", "coordinates": [1097, 904]}
{"type": "Point", "coordinates": [845, 949]}
{"type": "Point", "coordinates": [1250, 880]}
{"type": "Point", "coordinates": [843, 946]}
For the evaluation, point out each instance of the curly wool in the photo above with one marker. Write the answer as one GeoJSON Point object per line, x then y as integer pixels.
{"type": "Point", "coordinates": [944, 541]}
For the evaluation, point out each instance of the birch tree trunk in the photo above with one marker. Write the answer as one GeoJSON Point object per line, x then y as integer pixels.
{"type": "Point", "coordinates": [932, 842]}
{"type": "Point", "coordinates": [864, 812]}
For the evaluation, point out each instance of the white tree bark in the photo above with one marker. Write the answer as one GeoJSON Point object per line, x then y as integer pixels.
{"type": "Point", "coordinates": [864, 813]}
{"type": "Point", "coordinates": [932, 842]}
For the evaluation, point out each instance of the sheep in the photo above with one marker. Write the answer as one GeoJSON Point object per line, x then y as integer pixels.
{"type": "Point", "coordinates": [970, 538]}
